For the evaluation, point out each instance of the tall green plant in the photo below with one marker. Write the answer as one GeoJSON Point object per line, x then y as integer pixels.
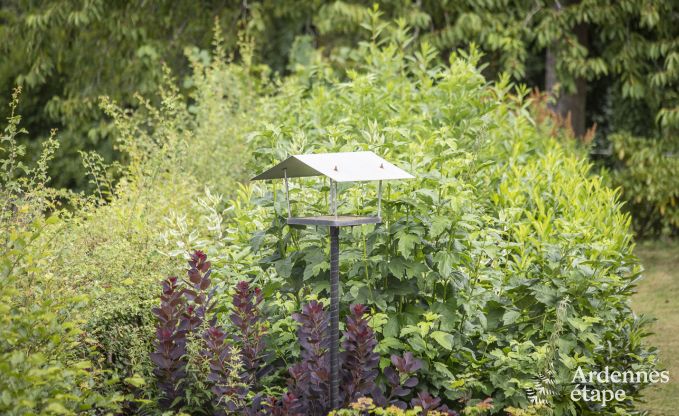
{"type": "Point", "coordinates": [474, 257]}
{"type": "Point", "coordinates": [45, 367]}
{"type": "Point", "coordinates": [66, 53]}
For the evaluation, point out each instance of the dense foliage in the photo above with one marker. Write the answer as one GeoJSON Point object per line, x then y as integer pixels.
{"type": "Point", "coordinates": [500, 230]}
{"type": "Point", "coordinates": [610, 64]}
{"type": "Point", "coordinates": [66, 54]}
{"type": "Point", "coordinates": [623, 50]}
{"type": "Point", "coordinates": [45, 365]}
{"type": "Point", "coordinates": [647, 177]}
{"type": "Point", "coordinates": [504, 262]}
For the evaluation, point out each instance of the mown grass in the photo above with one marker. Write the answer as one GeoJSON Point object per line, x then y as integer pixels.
{"type": "Point", "coordinates": [658, 296]}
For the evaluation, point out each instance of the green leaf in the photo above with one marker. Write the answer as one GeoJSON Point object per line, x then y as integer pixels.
{"type": "Point", "coordinates": [397, 267]}
{"type": "Point", "coordinates": [546, 295]}
{"type": "Point", "coordinates": [445, 261]}
{"type": "Point", "coordinates": [444, 339]}
{"type": "Point", "coordinates": [391, 343]}
{"type": "Point", "coordinates": [391, 329]}
{"type": "Point", "coordinates": [579, 324]}
{"type": "Point", "coordinates": [439, 224]}
{"type": "Point", "coordinates": [136, 381]}
{"type": "Point", "coordinates": [510, 317]}
{"type": "Point", "coordinates": [284, 267]}
{"type": "Point", "coordinates": [406, 243]}
{"type": "Point", "coordinates": [82, 365]}
{"type": "Point", "coordinates": [417, 343]}
{"type": "Point", "coordinates": [57, 408]}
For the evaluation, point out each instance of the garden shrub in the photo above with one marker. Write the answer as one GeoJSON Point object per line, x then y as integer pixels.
{"type": "Point", "coordinates": [42, 369]}
{"type": "Point", "coordinates": [504, 261]}
{"type": "Point", "coordinates": [647, 177]}
{"type": "Point", "coordinates": [110, 249]}
{"type": "Point", "coordinates": [237, 361]}
{"type": "Point", "coordinates": [114, 246]}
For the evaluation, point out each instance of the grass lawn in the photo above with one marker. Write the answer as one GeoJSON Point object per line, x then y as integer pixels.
{"type": "Point", "coordinates": [659, 297]}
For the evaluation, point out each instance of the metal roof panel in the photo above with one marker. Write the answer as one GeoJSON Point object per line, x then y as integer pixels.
{"type": "Point", "coordinates": [340, 167]}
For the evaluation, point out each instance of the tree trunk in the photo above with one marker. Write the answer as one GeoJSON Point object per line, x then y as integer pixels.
{"type": "Point", "coordinates": [568, 104]}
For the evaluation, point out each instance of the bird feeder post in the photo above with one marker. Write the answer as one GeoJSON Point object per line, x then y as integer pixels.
{"type": "Point", "coordinates": [287, 192]}
{"type": "Point", "coordinates": [338, 167]}
{"type": "Point", "coordinates": [379, 199]}
{"type": "Point", "coordinates": [333, 198]}
{"type": "Point", "coordinates": [334, 300]}
{"type": "Point", "coordinates": [334, 317]}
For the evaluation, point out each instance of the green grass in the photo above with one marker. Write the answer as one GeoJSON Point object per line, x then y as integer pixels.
{"type": "Point", "coordinates": [658, 296]}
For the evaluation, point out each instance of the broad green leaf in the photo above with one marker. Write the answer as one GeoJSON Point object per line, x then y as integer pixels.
{"type": "Point", "coordinates": [136, 381]}
{"type": "Point", "coordinates": [406, 244]}
{"type": "Point", "coordinates": [510, 317]}
{"type": "Point", "coordinates": [445, 262]}
{"type": "Point", "coordinates": [444, 339]}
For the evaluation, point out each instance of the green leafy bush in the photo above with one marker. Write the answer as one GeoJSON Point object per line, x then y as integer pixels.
{"type": "Point", "coordinates": [647, 172]}
{"type": "Point", "coordinates": [504, 261]}
{"type": "Point", "coordinates": [42, 369]}
{"type": "Point", "coordinates": [114, 246]}
{"type": "Point", "coordinates": [502, 228]}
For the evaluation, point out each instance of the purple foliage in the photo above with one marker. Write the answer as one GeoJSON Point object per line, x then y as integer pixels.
{"type": "Point", "coordinates": [247, 318]}
{"type": "Point", "coordinates": [185, 306]}
{"type": "Point", "coordinates": [310, 378]}
{"type": "Point", "coordinates": [170, 343]}
{"type": "Point", "coordinates": [288, 405]}
{"type": "Point", "coordinates": [196, 295]}
{"type": "Point", "coordinates": [400, 378]}
{"type": "Point", "coordinates": [430, 404]}
{"type": "Point", "coordinates": [218, 353]}
{"type": "Point", "coordinates": [359, 359]}
{"type": "Point", "coordinates": [309, 383]}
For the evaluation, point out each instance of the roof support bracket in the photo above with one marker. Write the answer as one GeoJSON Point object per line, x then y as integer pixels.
{"type": "Point", "coordinates": [287, 192]}
{"type": "Point", "coordinates": [379, 199]}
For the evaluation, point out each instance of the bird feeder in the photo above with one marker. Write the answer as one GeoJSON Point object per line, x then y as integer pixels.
{"type": "Point", "coordinates": [338, 167]}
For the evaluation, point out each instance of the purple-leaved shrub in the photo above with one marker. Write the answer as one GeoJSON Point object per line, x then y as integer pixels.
{"type": "Point", "coordinates": [237, 361]}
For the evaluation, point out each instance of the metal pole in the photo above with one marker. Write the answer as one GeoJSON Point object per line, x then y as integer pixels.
{"type": "Point", "coordinates": [334, 317]}
{"type": "Point", "coordinates": [287, 192]}
{"type": "Point", "coordinates": [379, 199]}
{"type": "Point", "coordinates": [336, 197]}
{"type": "Point", "coordinates": [333, 198]}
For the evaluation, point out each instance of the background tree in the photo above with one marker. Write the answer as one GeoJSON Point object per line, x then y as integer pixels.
{"type": "Point", "coordinates": [628, 50]}
{"type": "Point", "coordinates": [67, 53]}
{"type": "Point", "coordinates": [613, 64]}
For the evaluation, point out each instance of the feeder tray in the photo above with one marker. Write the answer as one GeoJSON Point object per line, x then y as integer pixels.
{"type": "Point", "coordinates": [335, 221]}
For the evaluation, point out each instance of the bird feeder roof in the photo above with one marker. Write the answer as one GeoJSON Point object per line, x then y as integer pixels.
{"type": "Point", "coordinates": [340, 167]}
